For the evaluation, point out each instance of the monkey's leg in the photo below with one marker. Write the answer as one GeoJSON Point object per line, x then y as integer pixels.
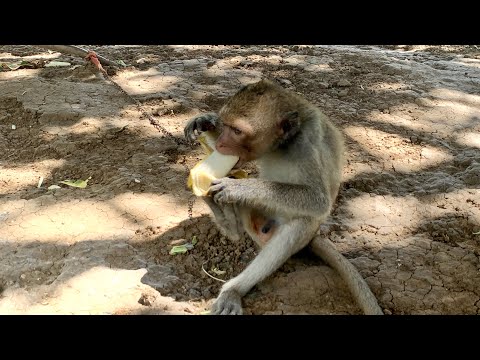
{"type": "Point", "coordinates": [227, 219]}
{"type": "Point", "coordinates": [326, 250]}
{"type": "Point", "coordinates": [288, 239]}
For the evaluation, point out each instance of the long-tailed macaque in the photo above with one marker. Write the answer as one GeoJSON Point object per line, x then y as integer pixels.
{"type": "Point", "coordinates": [299, 153]}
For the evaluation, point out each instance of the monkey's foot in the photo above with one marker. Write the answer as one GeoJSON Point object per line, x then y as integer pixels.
{"type": "Point", "coordinates": [228, 303]}
{"type": "Point", "coordinates": [232, 235]}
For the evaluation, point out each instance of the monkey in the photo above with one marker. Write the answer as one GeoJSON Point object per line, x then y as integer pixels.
{"type": "Point", "coordinates": [300, 154]}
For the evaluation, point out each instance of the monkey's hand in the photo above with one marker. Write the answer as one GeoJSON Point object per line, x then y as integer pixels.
{"type": "Point", "coordinates": [227, 191]}
{"type": "Point", "coordinates": [229, 302]}
{"type": "Point", "coordinates": [199, 124]}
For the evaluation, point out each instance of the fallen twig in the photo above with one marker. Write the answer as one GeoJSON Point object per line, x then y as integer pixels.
{"type": "Point", "coordinates": [75, 50]}
{"type": "Point", "coordinates": [213, 277]}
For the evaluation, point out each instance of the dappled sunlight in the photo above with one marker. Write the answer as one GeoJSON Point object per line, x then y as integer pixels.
{"type": "Point", "coordinates": [91, 125]}
{"type": "Point", "coordinates": [395, 151]}
{"type": "Point", "coordinates": [87, 126]}
{"type": "Point", "coordinates": [409, 192]}
{"type": "Point", "coordinates": [48, 219]}
{"type": "Point", "coordinates": [404, 120]}
{"type": "Point", "coordinates": [97, 290]}
{"type": "Point", "coordinates": [150, 209]}
{"type": "Point", "coordinates": [467, 62]}
{"type": "Point", "coordinates": [450, 97]}
{"type": "Point", "coordinates": [355, 169]}
{"type": "Point", "coordinates": [402, 215]}
{"type": "Point", "coordinates": [136, 82]}
{"type": "Point", "coordinates": [385, 214]}
{"type": "Point", "coordinates": [19, 74]}
{"type": "Point", "coordinates": [19, 177]}
{"type": "Point", "coordinates": [43, 54]}
{"type": "Point", "coordinates": [449, 113]}
{"type": "Point", "coordinates": [391, 86]}
{"type": "Point", "coordinates": [468, 139]}
{"type": "Point", "coordinates": [309, 63]}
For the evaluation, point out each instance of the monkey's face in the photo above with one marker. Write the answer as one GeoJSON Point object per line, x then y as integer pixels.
{"type": "Point", "coordinates": [236, 139]}
{"type": "Point", "coordinates": [255, 121]}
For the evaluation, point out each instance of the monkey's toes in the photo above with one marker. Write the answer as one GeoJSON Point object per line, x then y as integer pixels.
{"type": "Point", "coordinates": [227, 303]}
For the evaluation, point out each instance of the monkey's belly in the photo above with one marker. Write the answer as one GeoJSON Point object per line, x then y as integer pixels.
{"type": "Point", "coordinates": [263, 227]}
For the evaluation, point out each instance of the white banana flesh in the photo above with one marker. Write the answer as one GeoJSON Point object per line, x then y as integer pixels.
{"type": "Point", "coordinates": [214, 166]}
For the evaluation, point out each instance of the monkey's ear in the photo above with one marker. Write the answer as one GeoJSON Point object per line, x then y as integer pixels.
{"type": "Point", "coordinates": [289, 125]}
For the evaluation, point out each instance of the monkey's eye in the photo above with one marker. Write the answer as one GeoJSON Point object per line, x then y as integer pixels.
{"type": "Point", "coordinates": [236, 131]}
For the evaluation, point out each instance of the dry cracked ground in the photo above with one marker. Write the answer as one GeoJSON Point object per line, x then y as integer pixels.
{"type": "Point", "coordinates": [408, 213]}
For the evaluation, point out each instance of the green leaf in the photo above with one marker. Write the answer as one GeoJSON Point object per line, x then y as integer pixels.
{"type": "Point", "coordinates": [181, 249]}
{"type": "Point", "coordinates": [194, 240]}
{"type": "Point", "coordinates": [14, 66]}
{"type": "Point", "coordinates": [121, 62]}
{"type": "Point", "coordinates": [178, 249]}
{"type": "Point", "coordinates": [82, 184]}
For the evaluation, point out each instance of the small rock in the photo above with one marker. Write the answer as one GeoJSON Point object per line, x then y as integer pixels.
{"type": "Point", "coordinates": [246, 63]}
{"type": "Point", "coordinates": [323, 85]}
{"type": "Point", "coordinates": [284, 81]}
{"type": "Point", "coordinates": [191, 63]}
{"type": "Point", "coordinates": [206, 294]}
{"type": "Point", "coordinates": [146, 299]}
{"type": "Point", "coordinates": [355, 71]}
{"type": "Point", "coordinates": [309, 51]}
{"type": "Point", "coordinates": [389, 70]}
{"type": "Point", "coordinates": [343, 93]}
{"type": "Point", "coordinates": [141, 61]}
{"type": "Point", "coordinates": [193, 293]}
{"type": "Point", "coordinates": [343, 83]}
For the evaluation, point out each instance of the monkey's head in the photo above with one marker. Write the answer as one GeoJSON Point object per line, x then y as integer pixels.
{"type": "Point", "coordinates": [258, 119]}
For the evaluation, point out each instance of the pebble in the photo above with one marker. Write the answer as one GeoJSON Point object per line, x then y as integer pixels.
{"type": "Point", "coordinates": [344, 83]}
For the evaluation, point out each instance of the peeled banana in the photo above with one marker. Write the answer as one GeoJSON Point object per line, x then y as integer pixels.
{"type": "Point", "coordinates": [212, 167]}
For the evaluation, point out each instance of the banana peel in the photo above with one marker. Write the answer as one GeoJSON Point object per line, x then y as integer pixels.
{"type": "Point", "coordinates": [213, 166]}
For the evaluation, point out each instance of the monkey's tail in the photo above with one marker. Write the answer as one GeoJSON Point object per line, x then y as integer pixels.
{"type": "Point", "coordinates": [326, 250]}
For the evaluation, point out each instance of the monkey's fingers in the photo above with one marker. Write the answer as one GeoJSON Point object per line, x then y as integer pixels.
{"type": "Point", "coordinates": [189, 132]}
{"type": "Point", "coordinates": [215, 188]}
{"type": "Point", "coordinates": [199, 124]}
{"type": "Point", "coordinates": [224, 190]}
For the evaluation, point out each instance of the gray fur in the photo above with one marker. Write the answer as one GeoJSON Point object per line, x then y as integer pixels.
{"type": "Point", "coordinates": [297, 185]}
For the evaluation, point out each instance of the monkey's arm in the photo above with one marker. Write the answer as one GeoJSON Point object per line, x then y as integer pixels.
{"type": "Point", "coordinates": [201, 123]}
{"type": "Point", "coordinates": [289, 199]}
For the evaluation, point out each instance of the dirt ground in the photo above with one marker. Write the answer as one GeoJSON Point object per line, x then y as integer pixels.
{"type": "Point", "coordinates": [407, 216]}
